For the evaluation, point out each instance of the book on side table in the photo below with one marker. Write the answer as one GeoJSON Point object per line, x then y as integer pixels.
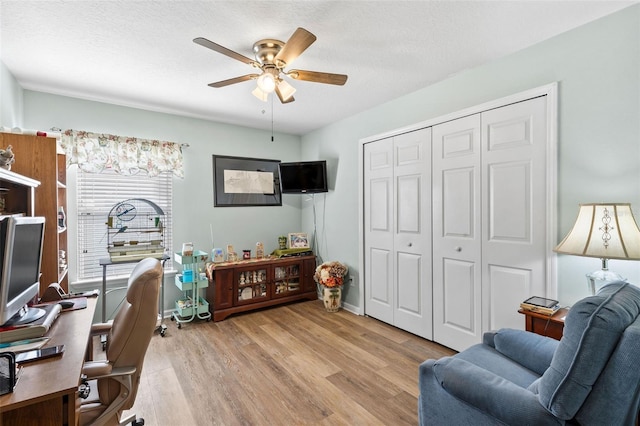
{"type": "Point", "coordinates": [540, 305]}
{"type": "Point", "coordinates": [37, 328]}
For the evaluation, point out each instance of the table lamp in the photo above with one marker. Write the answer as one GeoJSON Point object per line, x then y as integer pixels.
{"type": "Point", "coordinates": [605, 231]}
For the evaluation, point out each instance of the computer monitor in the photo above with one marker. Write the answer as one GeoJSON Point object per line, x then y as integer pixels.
{"type": "Point", "coordinates": [20, 256]}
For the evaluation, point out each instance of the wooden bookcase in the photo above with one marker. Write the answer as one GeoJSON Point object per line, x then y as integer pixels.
{"type": "Point", "coordinates": [38, 158]}
{"type": "Point", "coordinates": [253, 284]}
{"type": "Point", "coordinates": [20, 197]}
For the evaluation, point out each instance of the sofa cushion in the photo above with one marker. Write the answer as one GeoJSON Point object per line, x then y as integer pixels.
{"type": "Point", "coordinates": [591, 332]}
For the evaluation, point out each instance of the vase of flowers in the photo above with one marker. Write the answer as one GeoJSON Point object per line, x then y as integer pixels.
{"type": "Point", "coordinates": [330, 275]}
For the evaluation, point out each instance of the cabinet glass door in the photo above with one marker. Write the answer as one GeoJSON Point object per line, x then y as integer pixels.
{"type": "Point", "coordinates": [287, 279]}
{"type": "Point", "coordinates": [251, 284]}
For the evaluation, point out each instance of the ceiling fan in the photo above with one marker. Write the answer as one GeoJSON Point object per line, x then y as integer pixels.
{"type": "Point", "coordinates": [272, 57]}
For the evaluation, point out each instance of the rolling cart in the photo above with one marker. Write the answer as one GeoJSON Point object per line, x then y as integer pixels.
{"type": "Point", "coordinates": [191, 281]}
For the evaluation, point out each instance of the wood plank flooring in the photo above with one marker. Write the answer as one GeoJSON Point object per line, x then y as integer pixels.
{"type": "Point", "coordinates": [289, 365]}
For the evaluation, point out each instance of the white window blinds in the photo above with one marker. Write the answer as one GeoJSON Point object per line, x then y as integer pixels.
{"type": "Point", "coordinates": [97, 194]}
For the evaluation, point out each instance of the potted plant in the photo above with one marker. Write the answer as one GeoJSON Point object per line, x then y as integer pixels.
{"type": "Point", "coordinates": [330, 275]}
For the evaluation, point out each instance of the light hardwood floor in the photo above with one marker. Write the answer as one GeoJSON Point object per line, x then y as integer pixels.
{"type": "Point", "coordinates": [288, 365]}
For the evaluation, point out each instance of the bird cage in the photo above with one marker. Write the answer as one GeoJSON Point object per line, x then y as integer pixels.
{"type": "Point", "coordinates": [135, 230]}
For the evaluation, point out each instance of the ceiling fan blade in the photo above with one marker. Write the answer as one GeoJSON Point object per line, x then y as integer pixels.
{"type": "Point", "coordinates": [235, 80]}
{"type": "Point", "coordinates": [297, 43]}
{"type": "Point", "coordinates": [280, 96]}
{"type": "Point", "coordinates": [318, 77]}
{"type": "Point", "coordinates": [221, 49]}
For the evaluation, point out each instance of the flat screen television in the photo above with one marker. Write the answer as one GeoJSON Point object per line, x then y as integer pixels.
{"type": "Point", "coordinates": [20, 257]}
{"type": "Point", "coordinates": [303, 177]}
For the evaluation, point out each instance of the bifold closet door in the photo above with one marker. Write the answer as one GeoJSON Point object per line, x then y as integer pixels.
{"type": "Point", "coordinates": [490, 200]}
{"type": "Point", "coordinates": [514, 206]}
{"type": "Point", "coordinates": [457, 266]}
{"type": "Point", "coordinates": [378, 226]}
{"type": "Point", "coordinates": [398, 230]}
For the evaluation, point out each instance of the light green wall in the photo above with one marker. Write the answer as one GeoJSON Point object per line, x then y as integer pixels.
{"type": "Point", "coordinates": [598, 70]}
{"type": "Point", "coordinates": [10, 99]}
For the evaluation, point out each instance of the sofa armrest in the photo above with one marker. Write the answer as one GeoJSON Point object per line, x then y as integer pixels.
{"type": "Point", "coordinates": [527, 349]}
{"type": "Point", "coordinates": [490, 393]}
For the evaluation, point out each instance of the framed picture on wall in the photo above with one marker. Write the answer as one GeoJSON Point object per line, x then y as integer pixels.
{"type": "Point", "coordinates": [240, 181]}
{"type": "Point", "coordinates": [298, 240]}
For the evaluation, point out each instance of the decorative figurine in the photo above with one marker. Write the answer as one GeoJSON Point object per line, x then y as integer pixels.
{"type": "Point", "coordinates": [259, 250]}
{"type": "Point", "coordinates": [217, 254]}
{"type": "Point", "coordinates": [282, 242]}
{"type": "Point", "coordinates": [7, 158]}
{"type": "Point", "coordinates": [232, 256]}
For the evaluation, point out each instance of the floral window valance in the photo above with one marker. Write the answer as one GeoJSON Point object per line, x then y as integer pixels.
{"type": "Point", "coordinates": [96, 152]}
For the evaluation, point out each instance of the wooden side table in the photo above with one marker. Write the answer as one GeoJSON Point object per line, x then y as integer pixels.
{"type": "Point", "coordinates": [545, 325]}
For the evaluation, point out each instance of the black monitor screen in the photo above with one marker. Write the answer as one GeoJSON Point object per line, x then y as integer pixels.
{"type": "Point", "coordinates": [25, 260]}
{"type": "Point", "coordinates": [303, 177]}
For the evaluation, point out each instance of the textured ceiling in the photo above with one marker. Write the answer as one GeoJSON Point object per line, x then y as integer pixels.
{"type": "Point", "coordinates": [141, 54]}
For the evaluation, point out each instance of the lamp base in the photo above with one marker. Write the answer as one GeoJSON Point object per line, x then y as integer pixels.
{"type": "Point", "coordinates": [602, 277]}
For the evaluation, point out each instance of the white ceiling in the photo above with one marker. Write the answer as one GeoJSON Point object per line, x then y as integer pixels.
{"type": "Point", "coordinates": [141, 54]}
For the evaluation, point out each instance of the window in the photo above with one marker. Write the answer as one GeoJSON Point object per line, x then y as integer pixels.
{"type": "Point", "coordinates": [97, 194]}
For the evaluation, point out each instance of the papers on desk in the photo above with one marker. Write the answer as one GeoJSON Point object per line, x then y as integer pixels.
{"type": "Point", "coordinates": [24, 345]}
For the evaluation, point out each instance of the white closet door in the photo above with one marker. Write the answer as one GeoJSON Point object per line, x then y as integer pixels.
{"type": "Point", "coordinates": [514, 164]}
{"type": "Point", "coordinates": [378, 229]}
{"type": "Point", "coordinates": [412, 243]}
{"type": "Point", "coordinates": [457, 233]}
{"type": "Point", "coordinates": [397, 225]}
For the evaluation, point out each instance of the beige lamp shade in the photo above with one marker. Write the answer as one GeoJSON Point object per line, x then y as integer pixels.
{"type": "Point", "coordinates": [605, 231]}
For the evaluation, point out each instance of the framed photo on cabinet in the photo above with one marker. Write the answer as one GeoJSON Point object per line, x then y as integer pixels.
{"type": "Point", "coordinates": [298, 240]}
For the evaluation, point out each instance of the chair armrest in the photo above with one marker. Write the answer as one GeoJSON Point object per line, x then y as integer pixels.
{"type": "Point", "coordinates": [490, 393]}
{"type": "Point", "coordinates": [527, 349]}
{"type": "Point", "coordinates": [95, 369]}
{"type": "Point", "coordinates": [101, 328]}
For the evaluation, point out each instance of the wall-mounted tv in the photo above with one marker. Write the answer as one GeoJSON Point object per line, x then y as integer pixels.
{"type": "Point", "coordinates": [303, 177]}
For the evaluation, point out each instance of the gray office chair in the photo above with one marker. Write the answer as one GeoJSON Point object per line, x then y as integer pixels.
{"type": "Point", "coordinates": [114, 381]}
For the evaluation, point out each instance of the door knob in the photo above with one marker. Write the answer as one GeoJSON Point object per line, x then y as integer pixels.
{"type": "Point", "coordinates": [458, 249]}
{"type": "Point", "coordinates": [410, 244]}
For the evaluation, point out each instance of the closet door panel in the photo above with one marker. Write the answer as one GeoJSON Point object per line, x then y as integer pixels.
{"type": "Point", "coordinates": [510, 202]}
{"type": "Point", "coordinates": [507, 283]}
{"type": "Point", "coordinates": [412, 311]}
{"type": "Point", "coordinates": [379, 229]}
{"type": "Point", "coordinates": [514, 164]}
{"type": "Point", "coordinates": [409, 279]}
{"type": "Point", "coordinates": [456, 233]}
{"type": "Point", "coordinates": [459, 289]}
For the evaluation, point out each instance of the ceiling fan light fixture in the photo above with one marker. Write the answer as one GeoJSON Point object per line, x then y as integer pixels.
{"type": "Point", "coordinates": [267, 82]}
{"type": "Point", "coordinates": [258, 93]}
{"type": "Point", "coordinates": [286, 90]}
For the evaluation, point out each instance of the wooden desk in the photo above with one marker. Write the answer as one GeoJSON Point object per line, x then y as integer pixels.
{"type": "Point", "coordinates": [545, 325]}
{"type": "Point", "coordinates": [46, 393]}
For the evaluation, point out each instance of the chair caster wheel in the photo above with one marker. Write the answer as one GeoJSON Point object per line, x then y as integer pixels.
{"type": "Point", "coordinates": [137, 422]}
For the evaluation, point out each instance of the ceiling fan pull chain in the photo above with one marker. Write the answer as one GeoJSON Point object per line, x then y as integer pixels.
{"type": "Point", "coordinates": [271, 118]}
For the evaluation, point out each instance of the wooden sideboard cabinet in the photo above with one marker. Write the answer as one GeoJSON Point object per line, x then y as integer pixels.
{"type": "Point", "coordinates": [252, 284]}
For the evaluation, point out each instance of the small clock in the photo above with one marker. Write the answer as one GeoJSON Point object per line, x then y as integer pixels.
{"type": "Point", "coordinates": [125, 212]}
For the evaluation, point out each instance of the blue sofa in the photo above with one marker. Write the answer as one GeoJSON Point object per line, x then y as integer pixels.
{"type": "Point", "coordinates": [590, 377]}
